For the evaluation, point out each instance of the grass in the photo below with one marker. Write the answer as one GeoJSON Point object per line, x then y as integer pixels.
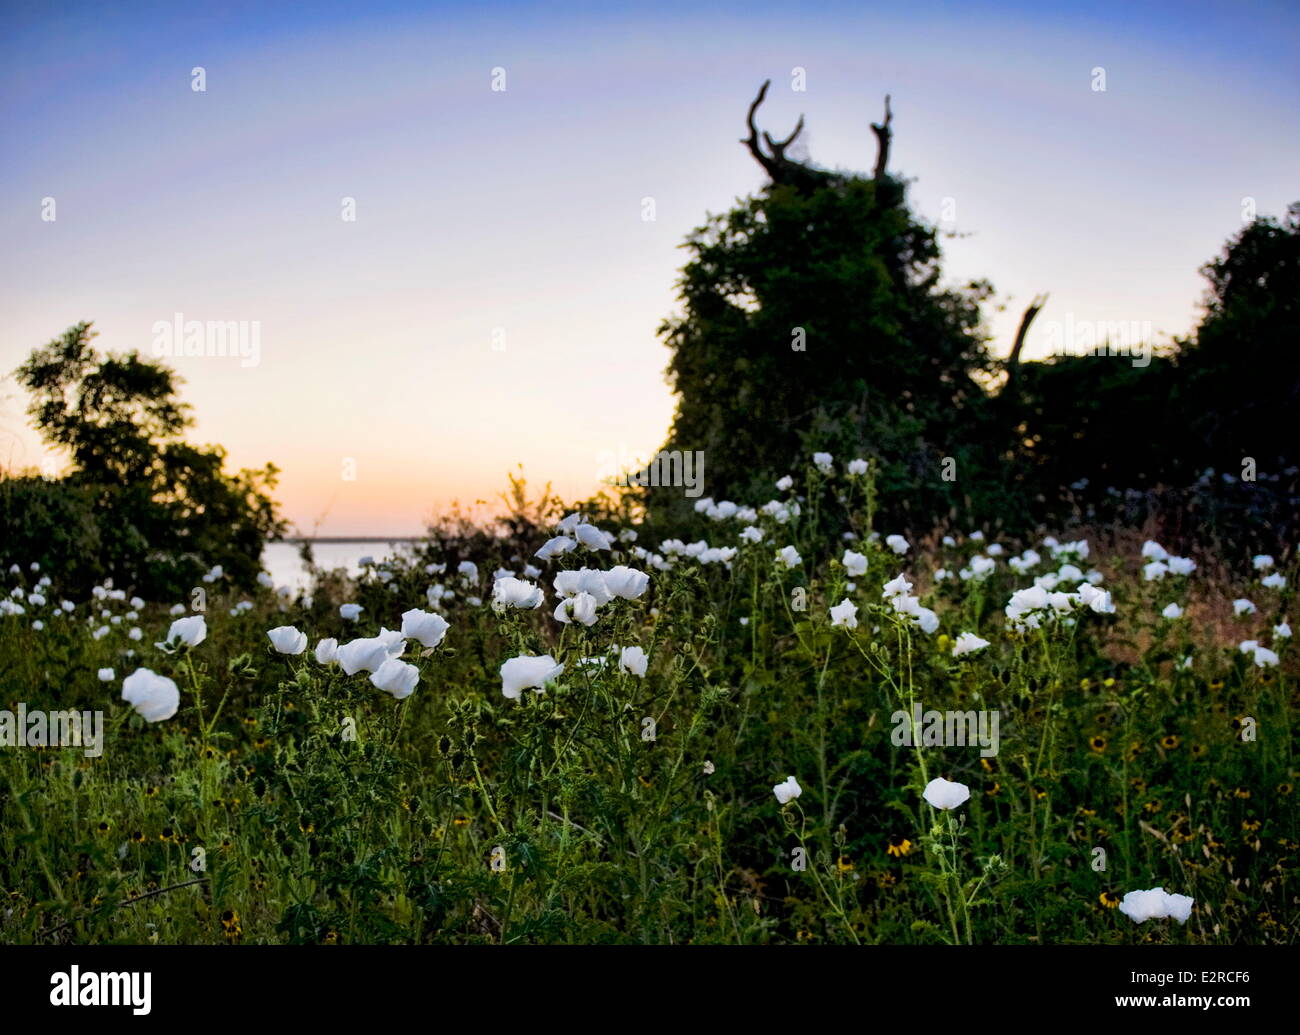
{"type": "Point", "coordinates": [288, 802]}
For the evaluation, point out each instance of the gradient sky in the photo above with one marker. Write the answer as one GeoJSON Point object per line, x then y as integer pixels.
{"type": "Point", "coordinates": [522, 209]}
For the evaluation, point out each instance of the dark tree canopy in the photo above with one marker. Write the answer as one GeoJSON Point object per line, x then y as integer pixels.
{"type": "Point", "coordinates": [814, 317]}
{"type": "Point", "coordinates": [161, 508]}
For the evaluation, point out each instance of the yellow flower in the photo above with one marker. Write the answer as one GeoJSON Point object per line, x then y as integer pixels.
{"type": "Point", "coordinates": [1108, 899]}
{"type": "Point", "coordinates": [1170, 741]}
{"type": "Point", "coordinates": [898, 847]}
{"type": "Point", "coordinates": [1098, 744]}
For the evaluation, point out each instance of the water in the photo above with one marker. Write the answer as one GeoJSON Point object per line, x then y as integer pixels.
{"type": "Point", "coordinates": [283, 564]}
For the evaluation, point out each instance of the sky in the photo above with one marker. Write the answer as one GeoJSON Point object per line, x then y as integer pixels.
{"type": "Point", "coordinates": [495, 300]}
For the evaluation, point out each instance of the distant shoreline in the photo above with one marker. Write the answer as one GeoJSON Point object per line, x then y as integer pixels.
{"type": "Point", "coordinates": [351, 539]}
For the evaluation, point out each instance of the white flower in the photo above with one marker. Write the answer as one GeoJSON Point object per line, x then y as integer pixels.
{"type": "Point", "coordinates": [980, 567]}
{"type": "Point", "coordinates": [1262, 562]}
{"type": "Point", "coordinates": [155, 697]}
{"type": "Point", "coordinates": [214, 574]}
{"type": "Point", "coordinates": [327, 651]}
{"type": "Point", "coordinates": [369, 653]}
{"type": "Point", "coordinates": [855, 564]}
{"type": "Point", "coordinates": [967, 643]}
{"type": "Point", "coordinates": [265, 581]}
{"type": "Point", "coordinates": [898, 544]}
{"type": "Point", "coordinates": [1155, 903]}
{"type": "Point", "coordinates": [1154, 551]}
{"type": "Point", "coordinates": [425, 627]}
{"type": "Point", "coordinates": [927, 620]}
{"type": "Point", "coordinates": [554, 547]}
{"type": "Point", "coordinates": [1172, 611]}
{"type": "Point", "coordinates": [823, 462]}
{"type": "Point", "coordinates": [1265, 658]}
{"type": "Point", "coordinates": [897, 587]}
{"type": "Point", "coordinates": [1155, 571]}
{"type": "Point", "coordinates": [944, 794]}
{"type": "Point", "coordinates": [584, 580]}
{"type": "Point", "coordinates": [106, 675]}
{"type": "Point", "coordinates": [784, 483]}
{"type": "Point", "coordinates": [788, 791]}
{"type": "Point", "coordinates": [187, 631]}
{"type": "Point", "coordinates": [1181, 565]}
{"type": "Point", "coordinates": [1282, 631]}
{"type": "Point", "coordinates": [708, 768]}
{"type": "Point", "coordinates": [789, 556]}
{"type": "Point", "coordinates": [1096, 599]}
{"type": "Point", "coordinates": [1247, 646]}
{"type": "Point", "coordinates": [751, 534]}
{"type": "Point", "coordinates": [1242, 606]}
{"type": "Point", "coordinates": [288, 640]}
{"type": "Point", "coordinates": [845, 614]}
{"type": "Point", "coordinates": [592, 537]}
{"type": "Point", "coordinates": [858, 466]}
{"type": "Point", "coordinates": [468, 570]}
{"type": "Point", "coordinates": [350, 612]}
{"type": "Point", "coordinates": [633, 660]}
{"type": "Point", "coordinates": [581, 607]}
{"type": "Point", "coordinates": [176, 609]}
{"type": "Point", "coordinates": [136, 634]}
{"type": "Point", "coordinates": [396, 677]}
{"type": "Point", "coordinates": [512, 592]}
{"type": "Point", "coordinates": [1275, 581]}
{"type": "Point", "coordinates": [527, 672]}
{"type": "Point", "coordinates": [626, 582]}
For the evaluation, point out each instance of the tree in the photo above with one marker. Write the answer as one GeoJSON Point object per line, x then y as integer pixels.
{"type": "Point", "coordinates": [165, 508]}
{"type": "Point", "coordinates": [813, 318]}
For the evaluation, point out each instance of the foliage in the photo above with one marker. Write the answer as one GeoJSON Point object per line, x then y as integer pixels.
{"type": "Point", "coordinates": [160, 506]}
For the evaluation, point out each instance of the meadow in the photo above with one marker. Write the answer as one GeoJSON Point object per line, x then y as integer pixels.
{"type": "Point", "coordinates": [572, 731]}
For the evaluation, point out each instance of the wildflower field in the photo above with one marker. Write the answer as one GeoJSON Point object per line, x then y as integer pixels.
{"type": "Point", "coordinates": [796, 728]}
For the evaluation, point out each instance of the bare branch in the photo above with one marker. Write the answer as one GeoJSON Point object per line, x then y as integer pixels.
{"type": "Point", "coordinates": [883, 136]}
{"type": "Point", "coordinates": [1013, 361]}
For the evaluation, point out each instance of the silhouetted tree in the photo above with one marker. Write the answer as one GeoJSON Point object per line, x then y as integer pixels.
{"type": "Point", "coordinates": [813, 317]}
{"type": "Point", "coordinates": [163, 508]}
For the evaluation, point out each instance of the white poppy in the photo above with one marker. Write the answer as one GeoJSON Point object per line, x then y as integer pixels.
{"type": "Point", "coordinates": [327, 651]}
{"type": "Point", "coordinates": [527, 672]}
{"type": "Point", "coordinates": [287, 640]}
{"type": "Point", "coordinates": [788, 791]}
{"type": "Point", "coordinates": [967, 643]}
{"type": "Point", "coordinates": [845, 614]}
{"type": "Point", "coordinates": [396, 677]}
{"type": "Point", "coordinates": [512, 592]}
{"type": "Point", "coordinates": [423, 626]}
{"type": "Point", "coordinates": [944, 794]}
{"type": "Point", "coordinates": [188, 631]}
{"type": "Point", "coordinates": [855, 564]}
{"type": "Point", "coordinates": [155, 697]}
{"type": "Point", "coordinates": [633, 660]}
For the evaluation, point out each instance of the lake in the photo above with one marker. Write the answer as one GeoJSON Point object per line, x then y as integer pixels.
{"type": "Point", "coordinates": [283, 564]}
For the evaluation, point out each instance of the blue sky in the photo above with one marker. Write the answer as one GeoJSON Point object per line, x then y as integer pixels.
{"type": "Point", "coordinates": [520, 211]}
